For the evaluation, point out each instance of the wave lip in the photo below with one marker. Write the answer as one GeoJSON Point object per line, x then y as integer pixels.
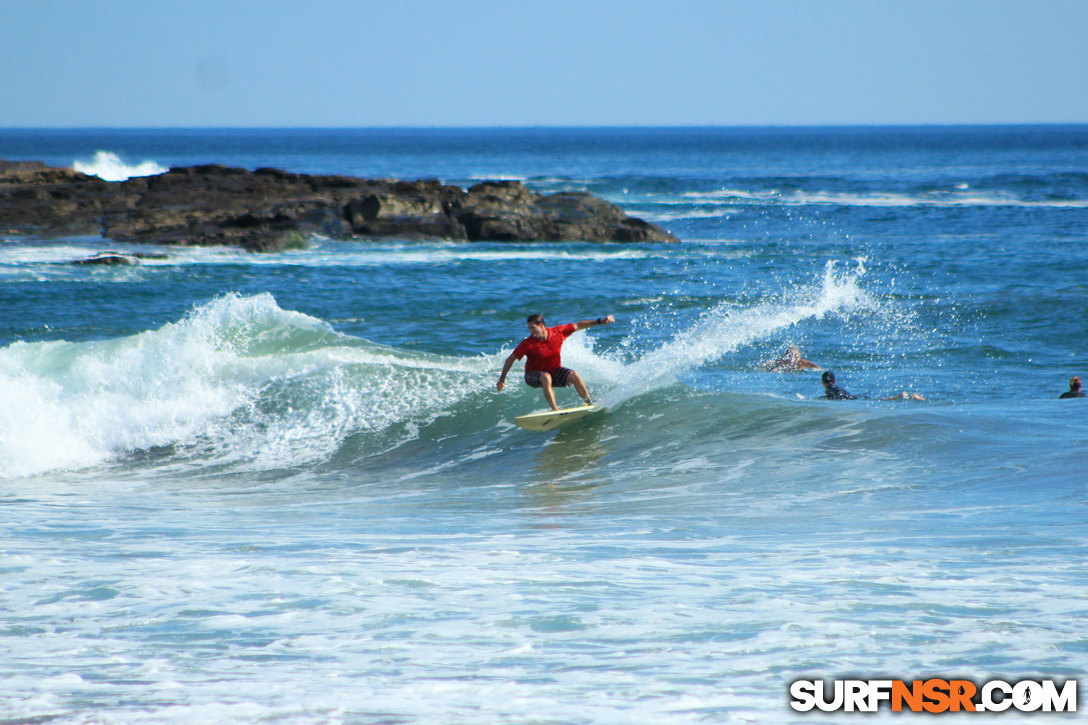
{"type": "Point", "coordinates": [109, 166]}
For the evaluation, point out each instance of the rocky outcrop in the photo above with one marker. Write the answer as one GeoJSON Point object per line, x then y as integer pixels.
{"type": "Point", "coordinates": [270, 209]}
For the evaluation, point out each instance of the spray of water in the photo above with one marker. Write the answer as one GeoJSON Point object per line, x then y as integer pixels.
{"type": "Point", "coordinates": [729, 327]}
{"type": "Point", "coordinates": [109, 166]}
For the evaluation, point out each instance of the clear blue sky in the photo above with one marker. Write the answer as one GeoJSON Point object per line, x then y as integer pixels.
{"type": "Point", "coordinates": [126, 63]}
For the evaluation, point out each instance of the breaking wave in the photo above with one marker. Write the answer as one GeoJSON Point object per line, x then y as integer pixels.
{"type": "Point", "coordinates": [109, 166]}
{"type": "Point", "coordinates": [241, 384]}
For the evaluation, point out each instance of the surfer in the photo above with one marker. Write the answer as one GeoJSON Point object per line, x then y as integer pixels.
{"type": "Point", "coordinates": [543, 368]}
{"type": "Point", "coordinates": [1074, 389]}
{"type": "Point", "coordinates": [790, 360]}
{"type": "Point", "coordinates": [833, 392]}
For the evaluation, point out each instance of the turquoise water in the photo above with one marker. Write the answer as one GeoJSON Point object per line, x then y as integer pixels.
{"type": "Point", "coordinates": [241, 488]}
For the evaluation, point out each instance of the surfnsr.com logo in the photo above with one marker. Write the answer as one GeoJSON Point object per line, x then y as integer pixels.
{"type": "Point", "coordinates": [934, 696]}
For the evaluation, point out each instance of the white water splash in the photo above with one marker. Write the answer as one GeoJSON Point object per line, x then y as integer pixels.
{"type": "Point", "coordinates": [109, 166]}
{"type": "Point", "coordinates": [262, 386]}
{"type": "Point", "coordinates": [729, 327]}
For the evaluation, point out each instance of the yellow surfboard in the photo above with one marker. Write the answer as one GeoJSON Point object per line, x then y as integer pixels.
{"type": "Point", "coordinates": [553, 419]}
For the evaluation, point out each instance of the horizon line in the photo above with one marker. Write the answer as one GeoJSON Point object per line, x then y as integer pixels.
{"type": "Point", "coordinates": [570, 127]}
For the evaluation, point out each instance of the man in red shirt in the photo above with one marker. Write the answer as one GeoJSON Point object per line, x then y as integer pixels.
{"type": "Point", "coordinates": [543, 368]}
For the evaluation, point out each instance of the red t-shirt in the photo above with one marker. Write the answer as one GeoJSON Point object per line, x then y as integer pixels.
{"type": "Point", "coordinates": [543, 354]}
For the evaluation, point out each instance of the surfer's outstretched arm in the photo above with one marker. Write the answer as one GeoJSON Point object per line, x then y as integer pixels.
{"type": "Point", "coordinates": [505, 369]}
{"type": "Point", "coordinates": [593, 323]}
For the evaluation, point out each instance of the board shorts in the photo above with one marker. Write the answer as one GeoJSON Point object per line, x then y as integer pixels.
{"type": "Point", "coordinates": [560, 378]}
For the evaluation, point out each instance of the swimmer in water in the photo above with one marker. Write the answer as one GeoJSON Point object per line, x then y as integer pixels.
{"type": "Point", "coordinates": [833, 392]}
{"type": "Point", "coordinates": [1074, 389]}
{"type": "Point", "coordinates": [791, 360]}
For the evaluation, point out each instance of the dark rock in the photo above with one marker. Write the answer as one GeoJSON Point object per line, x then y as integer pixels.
{"type": "Point", "coordinates": [270, 209]}
{"type": "Point", "coordinates": [109, 258]}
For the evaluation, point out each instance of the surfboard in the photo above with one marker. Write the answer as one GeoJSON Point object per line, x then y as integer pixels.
{"type": "Point", "coordinates": [554, 419]}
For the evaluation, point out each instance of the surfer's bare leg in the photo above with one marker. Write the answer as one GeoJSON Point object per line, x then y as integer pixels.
{"type": "Point", "coordinates": [549, 392]}
{"type": "Point", "coordinates": [576, 381]}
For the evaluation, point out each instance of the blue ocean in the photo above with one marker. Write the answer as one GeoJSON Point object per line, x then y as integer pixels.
{"type": "Point", "coordinates": [282, 488]}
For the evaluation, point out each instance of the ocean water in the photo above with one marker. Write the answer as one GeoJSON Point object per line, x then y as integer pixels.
{"type": "Point", "coordinates": [282, 488]}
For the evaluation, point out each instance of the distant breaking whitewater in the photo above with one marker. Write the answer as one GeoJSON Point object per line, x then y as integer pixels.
{"type": "Point", "coordinates": [109, 166]}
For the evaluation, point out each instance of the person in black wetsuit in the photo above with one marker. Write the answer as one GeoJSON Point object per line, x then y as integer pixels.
{"type": "Point", "coordinates": [1074, 389]}
{"type": "Point", "coordinates": [834, 392]}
